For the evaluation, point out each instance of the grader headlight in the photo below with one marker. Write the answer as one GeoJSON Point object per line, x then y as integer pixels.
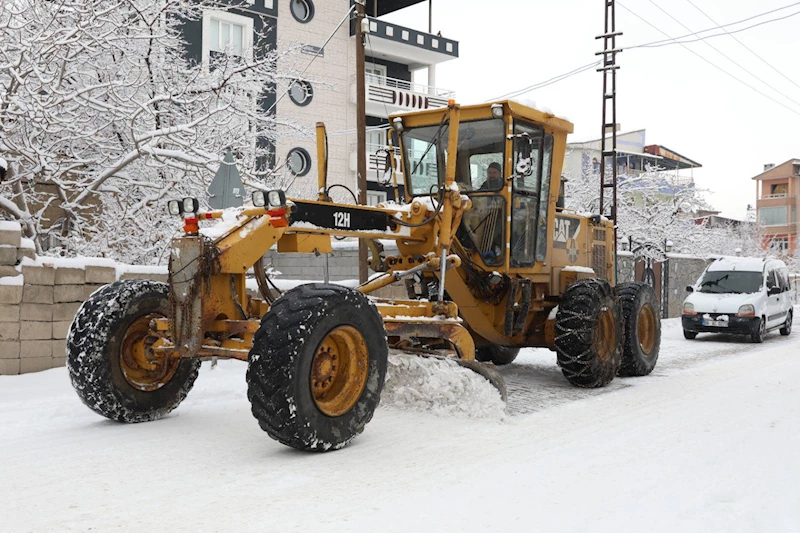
{"type": "Point", "coordinates": [259, 199]}
{"type": "Point", "coordinates": [277, 198]}
{"type": "Point", "coordinates": [175, 208]}
{"type": "Point", "coordinates": [190, 206]}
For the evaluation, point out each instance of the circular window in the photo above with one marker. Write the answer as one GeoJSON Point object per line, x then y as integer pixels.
{"type": "Point", "coordinates": [302, 10]}
{"type": "Point", "coordinates": [301, 93]}
{"type": "Point", "coordinates": [299, 161]}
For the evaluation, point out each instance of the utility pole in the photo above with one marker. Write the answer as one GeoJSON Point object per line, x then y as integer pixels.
{"type": "Point", "coordinates": [361, 132]}
{"type": "Point", "coordinates": [609, 69]}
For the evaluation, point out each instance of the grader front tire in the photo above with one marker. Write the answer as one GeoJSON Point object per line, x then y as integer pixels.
{"type": "Point", "coordinates": [642, 328]}
{"type": "Point", "coordinates": [106, 359]}
{"type": "Point", "coordinates": [317, 367]}
{"type": "Point", "coordinates": [588, 334]}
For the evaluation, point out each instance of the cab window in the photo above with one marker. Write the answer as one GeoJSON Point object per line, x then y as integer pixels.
{"type": "Point", "coordinates": [425, 158]}
{"type": "Point", "coordinates": [525, 210]}
{"type": "Point", "coordinates": [480, 158]}
{"type": "Point", "coordinates": [544, 198]}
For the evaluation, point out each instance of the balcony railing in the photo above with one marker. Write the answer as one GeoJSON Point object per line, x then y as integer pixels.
{"type": "Point", "coordinates": [376, 161]}
{"type": "Point", "coordinates": [389, 95]}
{"type": "Point", "coordinates": [771, 196]}
{"type": "Point", "coordinates": [385, 81]}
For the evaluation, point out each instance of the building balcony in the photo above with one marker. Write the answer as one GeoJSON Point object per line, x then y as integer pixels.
{"type": "Point", "coordinates": [389, 95]}
{"type": "Point", "coordinates": [776, 200]}
{"type": "Point", "coordinates": [414, 48]}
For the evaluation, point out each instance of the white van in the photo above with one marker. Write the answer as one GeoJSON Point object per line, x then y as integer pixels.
{"type": "Point", "coordinates": [740, 295]}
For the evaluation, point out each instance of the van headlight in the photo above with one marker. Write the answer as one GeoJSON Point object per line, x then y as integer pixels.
{"type": "Point", "coordinates": [746, 310]}
{"type": "Point", "coordinates": [688, 309]}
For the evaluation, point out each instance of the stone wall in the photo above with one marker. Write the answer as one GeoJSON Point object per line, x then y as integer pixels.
{"type": "Point", "coordinates": [683, 270]}
{"type": "Point", "coordinates": [40, 296]}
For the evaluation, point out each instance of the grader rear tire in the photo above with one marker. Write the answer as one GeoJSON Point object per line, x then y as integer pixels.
{"type": "Point", "coordinates": [588, 334]}
{"type": "Point", "coordinates": [106, 359]}
{"type": "Point", "coordinates": [641, 326]}
{"type": "Point", "coordinates": [499, 355]}
{"type": "Point", "coordinates": [317, 367]}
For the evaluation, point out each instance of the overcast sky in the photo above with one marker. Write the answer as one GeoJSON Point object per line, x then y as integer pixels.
{"type": "Point", "coordinates": [684, 103]}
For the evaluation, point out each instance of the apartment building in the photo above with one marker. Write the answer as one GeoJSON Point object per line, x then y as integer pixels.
{"type": "Point", "coordinates": [777, 192]}
{"type": "Point", "coordinates": [634, 156]}
{"type": "Point", "coordinates": [327, 92]}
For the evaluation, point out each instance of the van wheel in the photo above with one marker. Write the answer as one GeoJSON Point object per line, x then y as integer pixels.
{"type": "Point", "coordinates": [758, 335]}
{"type": "Point", "coordinates": [689, 334]}
{"type": "Point", "coordinates": [787, 326]}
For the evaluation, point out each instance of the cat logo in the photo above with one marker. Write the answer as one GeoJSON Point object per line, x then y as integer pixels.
{"type": "Point", "coordinates": [566, 231]}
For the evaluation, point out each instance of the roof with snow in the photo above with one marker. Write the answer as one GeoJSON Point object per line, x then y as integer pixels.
{"type": "Point", "coordinates": [743, 264]}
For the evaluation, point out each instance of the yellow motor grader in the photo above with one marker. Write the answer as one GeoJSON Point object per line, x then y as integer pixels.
{"type": "Point", "coordinates": [489, 260]}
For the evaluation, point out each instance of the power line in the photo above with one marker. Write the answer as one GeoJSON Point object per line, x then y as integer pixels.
{"type": "Point", "coordinates": [723, 54]}
{"type": "Point", "coordinates": [710, 62]}
{"type": "Point", "coordinates": [658, 43]}
{"type": "Point", "coordinates": [545, 83]}
{"type": "Point", "coordinates": [745, 46]}
{"type": "Point", "coordinates": [664, 42]}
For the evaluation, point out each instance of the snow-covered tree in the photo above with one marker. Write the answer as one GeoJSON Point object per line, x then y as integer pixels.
{"type": "Point", "coordinates": [652, 206]}
{"type": "Point", "coordinates": [103, 116]}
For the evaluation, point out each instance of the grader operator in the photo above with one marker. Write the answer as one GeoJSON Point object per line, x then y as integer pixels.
{"type": "Point", "coordinates": [490, 266]}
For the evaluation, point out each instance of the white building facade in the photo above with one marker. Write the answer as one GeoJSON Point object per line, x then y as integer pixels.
{"type": "Point", "coordinates": [327, 89]}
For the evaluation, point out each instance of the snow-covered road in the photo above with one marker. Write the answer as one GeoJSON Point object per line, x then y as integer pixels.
{"type": "Point", "coordinates": [709, 442]}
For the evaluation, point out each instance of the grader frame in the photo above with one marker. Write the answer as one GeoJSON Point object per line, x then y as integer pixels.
{"type": "Point", "coordinates": [529, 277]}
{"type": "Point", "coordinates": [224, 310]}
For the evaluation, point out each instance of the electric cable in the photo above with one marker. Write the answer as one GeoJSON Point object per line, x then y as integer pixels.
{"type": "Point", "coordinates": [654, 44]}
{"type": "Point", "coordinates": [723, 54]}
{"type": "Point", "coordinates": [745, 46]}
{"type": "Point", "coordinates": [710, 62]}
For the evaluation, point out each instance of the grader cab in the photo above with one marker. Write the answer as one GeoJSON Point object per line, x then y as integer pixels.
{"type": "Point", "coordinates": [489, 259]}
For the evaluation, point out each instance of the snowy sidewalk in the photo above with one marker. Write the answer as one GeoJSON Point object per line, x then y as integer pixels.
{"type": "Point", "coordinates": [707, 443]}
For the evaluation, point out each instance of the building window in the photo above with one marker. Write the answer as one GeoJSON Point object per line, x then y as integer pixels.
{"type": "Point", "coordinates": [773, 216]}
{"type": "Point", "coordinates": [779, 244]}
{"type": "Point", "coordinates": [299, 161]}
{"type": "Point", "coordinates": [375, 197]}
{"type": "Point", "coordinates": [302, 10]}
{"type": "Point", "coordinates": [225, 32]}
{"type": "Point", "coordinates": [779, 189]}
{"type": "Point", "coordinates": [375, 74]}
{"type": "Point", "coordinates": [301, 92]}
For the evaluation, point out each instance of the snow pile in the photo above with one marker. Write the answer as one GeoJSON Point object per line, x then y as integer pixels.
{"type": "Point", "coordinates": [230, 220]}
{"type": "Point", "coordinates": [439, 386]}
{"type": "Point", "coordinates": [8, 225]}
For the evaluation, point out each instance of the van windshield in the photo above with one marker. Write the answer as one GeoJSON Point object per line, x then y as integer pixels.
{"type": "Point", "coordinates": [731, 282]}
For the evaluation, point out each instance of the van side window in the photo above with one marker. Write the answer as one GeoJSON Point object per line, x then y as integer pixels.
{"type": "Point", "coordinates": [783, 280]}
{"type": "Point", "coordinates": [771, 280]}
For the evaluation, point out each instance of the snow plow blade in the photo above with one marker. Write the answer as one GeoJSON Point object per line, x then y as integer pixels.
{"type": "Point", "coordinates": [488, 371]}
